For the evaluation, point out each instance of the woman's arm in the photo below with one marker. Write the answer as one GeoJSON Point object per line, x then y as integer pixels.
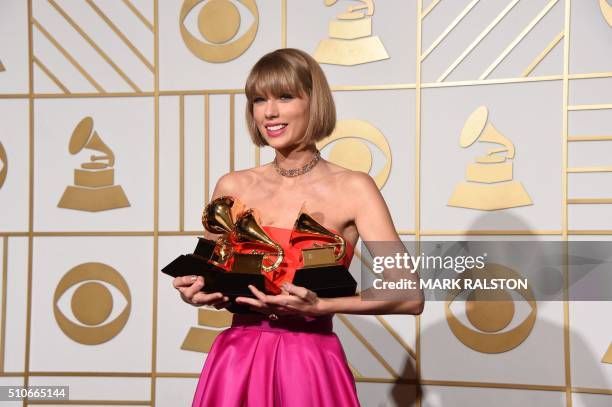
{"type": "Point", "coordinates": [374, 224]}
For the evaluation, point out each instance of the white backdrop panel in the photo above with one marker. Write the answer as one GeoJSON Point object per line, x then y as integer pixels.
{"type": "Point", "coordinates": [590, 40]}
{"type": "Point", "coordinates": [440, 396]}
{"type": "Point", "coordinates": [126, 127]}
{"type": "Point", "coordinates": [307, 24]}
{"type": "Point", "coordinates": [175, 317]}
{"type": "Point", "coordinates": [180, 69]}
{"type": "Point", "coordinates": [53, 258]}
{"type": "Point", "coordinates": [174, 392]}
{"type": "Point", "coordinates": [14, 138]}
{"type": "Point", "coordinates": [521, 113]}
{"type": "Point", "coordinates": [99, 388]}
{"type": "Point", "coordinates": [590, 338]}
{"type": "Point", "coordinates": [538, 360]}
{"type": "Point", "coordinates": [395, 120]}
{"type": "Point", "coordinates": [16, 305]}
{"type": "Point", "coordinates": [169, 169]}
{"type": "Point", "coordinates": [14, 46]}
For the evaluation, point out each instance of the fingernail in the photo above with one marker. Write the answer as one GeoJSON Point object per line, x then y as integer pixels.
{"type": "Point", "coordinates": [194, 278]}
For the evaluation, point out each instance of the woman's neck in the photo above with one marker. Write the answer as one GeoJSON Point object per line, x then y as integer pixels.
{"type": "Point", "coordinates": [296, 157]}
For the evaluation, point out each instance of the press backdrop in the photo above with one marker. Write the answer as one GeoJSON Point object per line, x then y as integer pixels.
{"type": "Point", "coordinates": [153, 91]}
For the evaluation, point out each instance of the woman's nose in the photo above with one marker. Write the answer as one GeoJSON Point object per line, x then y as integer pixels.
{"type": "Point", "coordinates": [271, 110]}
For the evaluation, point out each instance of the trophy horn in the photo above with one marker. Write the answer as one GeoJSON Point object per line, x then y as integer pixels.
{"type": "Point", "coordinates": [247, 229]}
{"type": "Point", "coordinates": [306, 226]}
{"type": "Point", "coordinates": [217, 217]}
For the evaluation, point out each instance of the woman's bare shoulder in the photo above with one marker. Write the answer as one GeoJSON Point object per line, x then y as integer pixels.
{"type": "Point", "coordinates": [352, 180]}
{"type": "Point", "coordinates": [233, 182]}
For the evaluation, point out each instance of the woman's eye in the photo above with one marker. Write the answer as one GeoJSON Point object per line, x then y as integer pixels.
{"type": "Point", "coordinates": [258, 100]}
{"type": "Point", "coordinates": [286, 97]}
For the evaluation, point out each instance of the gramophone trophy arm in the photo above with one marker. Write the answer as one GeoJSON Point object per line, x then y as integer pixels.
{"type": "Point", "coordinates": [342, 244]}
{"type": "Point", "coordinates": [279, 258]}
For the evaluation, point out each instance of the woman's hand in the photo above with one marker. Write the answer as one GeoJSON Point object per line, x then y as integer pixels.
{"type": "Point", "coordinates": [189, 287]}
{"type": "Point", "coordinates": [293, 300]}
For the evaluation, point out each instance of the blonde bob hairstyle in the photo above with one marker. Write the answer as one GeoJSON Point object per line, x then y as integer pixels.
{"type": "Point", "coordinates": [294, 72]}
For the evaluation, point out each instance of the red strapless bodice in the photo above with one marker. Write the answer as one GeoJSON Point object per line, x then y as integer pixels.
{"type": "Point", "coordinates": [292, 259]}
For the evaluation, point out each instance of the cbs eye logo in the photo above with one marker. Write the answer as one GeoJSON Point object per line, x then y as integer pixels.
{"type": "Point", "coordinates": [218, 21]}
{"type": "Point", "coordinates": [350, 147]}
{"type": "Point", "coordinates": [492, 313]}
{"type": "Point", "coordinates": [91, 303]}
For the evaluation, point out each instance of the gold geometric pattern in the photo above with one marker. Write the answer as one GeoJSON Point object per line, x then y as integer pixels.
{"type": "Point", "coordinates": [495, 22]}
{"type": "Point", "coordinates": [72, 53]}
{"type": "Point", "coordinates": [606, 11]}
{"type": "Point", "coordinates": [210, 325]}
{"type": "Point", "coordinates": [3, 165]}
{"type": "Point", "coordinates": [62, 80]}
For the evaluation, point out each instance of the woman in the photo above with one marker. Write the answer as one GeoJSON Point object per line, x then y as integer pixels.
{"type": "Point", "coordinates": [287, 354]}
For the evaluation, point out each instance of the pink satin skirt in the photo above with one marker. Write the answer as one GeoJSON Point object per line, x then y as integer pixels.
{"type": "Point", "coordinates": [290, 362]}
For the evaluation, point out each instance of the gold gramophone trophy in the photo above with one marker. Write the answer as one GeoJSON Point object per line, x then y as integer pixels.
{"type": "Point", "coordinates": [210, 257]}
{"type": "Point", "coordinates": [350, 39]}
{"type": "Point", "coordinates": [219, 217]}
{"type": "Point", "coordinates": [224, 268]}
{"type": "Point", "coordinates": [247, 230]}
{"type": "Point", "coordinates": [322, 271]}
{"type": "Point", "coordinates": [489, 184]}
{"type": "Point", "coordinates": [93, 188]}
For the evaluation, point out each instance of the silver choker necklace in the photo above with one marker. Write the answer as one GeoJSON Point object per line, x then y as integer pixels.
{"type": "Point", "coordinates": [294, 172]}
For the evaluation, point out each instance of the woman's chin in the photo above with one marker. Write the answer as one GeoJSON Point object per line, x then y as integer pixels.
{"type": "Point", "coordinates": [278, 143]}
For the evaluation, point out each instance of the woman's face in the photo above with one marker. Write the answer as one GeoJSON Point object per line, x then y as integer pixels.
{"type": "Point", "coordinates": [282, 120]}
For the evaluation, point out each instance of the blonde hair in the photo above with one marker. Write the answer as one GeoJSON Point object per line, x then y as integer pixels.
{"type": "Point", "coordinates": [291, 71]}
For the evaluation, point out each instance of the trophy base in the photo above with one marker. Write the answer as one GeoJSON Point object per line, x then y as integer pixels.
{"type": "Point", "coordinates": [327, 281]}
{"type": "Point", "coordinates": [232, 284]}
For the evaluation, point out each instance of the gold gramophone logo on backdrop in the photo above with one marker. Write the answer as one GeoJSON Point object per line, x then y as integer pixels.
{"type": "Point", "coordinates": [607, 357]}
{"type": "Point", "coordinates": [210, 324]}
{"type": "Point", "coordinates": [489, 185]}
{"type": "Point", "coordinates": [2, 68]}
{"type": "Point", "coordinates": [94, 186]}
{"type": "Point", "coordinates": [351, 151]}
{"type": "Point", "coordinates": [606, 11]}
{"type": "Point", "coordinates": [350, 39]}
{"type": "Point", "coordinates": [3, 165]}
{"type": "Point", "coordinates": [491, 313]}
{"type": "Point", "coordinates": [91, 303]}
{"type": "Point", "coordinates": [218, 22]}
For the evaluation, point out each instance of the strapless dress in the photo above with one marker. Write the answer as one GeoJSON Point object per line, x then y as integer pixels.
{"type": "Point", "coordinates": [293, 361]}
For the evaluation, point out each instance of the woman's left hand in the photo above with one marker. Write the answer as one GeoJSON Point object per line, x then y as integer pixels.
{"type": "Point", "coordinates": [293, 300]}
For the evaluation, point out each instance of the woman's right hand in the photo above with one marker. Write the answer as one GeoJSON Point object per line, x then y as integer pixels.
{"type": "Point", "coordinates": [190, 289]}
